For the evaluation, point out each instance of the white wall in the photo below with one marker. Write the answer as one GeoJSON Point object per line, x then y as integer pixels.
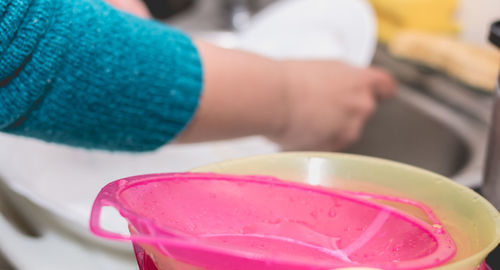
{"type": "Point", "coordinates": [476, 16]}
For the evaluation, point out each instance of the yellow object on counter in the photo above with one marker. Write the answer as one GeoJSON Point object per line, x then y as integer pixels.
{"type": "Point", "coordinates": [473, 65]}
{"type": "Point", "coordinates": [435, 16]}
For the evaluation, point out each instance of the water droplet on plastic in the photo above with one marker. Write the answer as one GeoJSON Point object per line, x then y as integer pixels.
{"type": "Point", "coordinates": [438, 228]}
{"type": "Point", "coordinates": [193, 227]}
{"type": "Point", "coordinates": [274, 221]}
{"type": "Point", "coordinates": [332, 213]}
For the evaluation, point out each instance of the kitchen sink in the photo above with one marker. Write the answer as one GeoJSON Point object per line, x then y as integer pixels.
{"type": "Point", "coordinates": [416, 130]}
{"type": "Point", "coordinates": [413, 128]}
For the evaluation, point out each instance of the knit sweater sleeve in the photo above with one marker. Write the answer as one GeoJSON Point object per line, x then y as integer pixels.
{"type": "Point", "coordinates": [84, 74]}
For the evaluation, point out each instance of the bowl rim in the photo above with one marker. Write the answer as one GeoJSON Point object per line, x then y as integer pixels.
{"type": "Point", "coordinates": [489, 208]}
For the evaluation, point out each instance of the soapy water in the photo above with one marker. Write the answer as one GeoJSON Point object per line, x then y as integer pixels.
{"type": "Point", "coordinates": [276, 221]}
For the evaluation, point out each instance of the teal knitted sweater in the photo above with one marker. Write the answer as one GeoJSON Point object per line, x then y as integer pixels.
{"type": "Point", "coordinates": [81, 73]}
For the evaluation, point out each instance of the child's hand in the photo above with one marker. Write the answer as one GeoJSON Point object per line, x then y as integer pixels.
{"type": "Point", "coordinates": [134, 7]}
{"type": "Point", "coordinates": [329, 103]}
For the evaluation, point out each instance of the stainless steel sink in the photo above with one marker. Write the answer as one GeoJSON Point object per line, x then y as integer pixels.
{"type": "Point", "coordinates": [414, 129]}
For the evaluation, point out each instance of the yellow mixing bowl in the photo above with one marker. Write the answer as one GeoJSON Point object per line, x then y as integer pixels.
{"type": "Point", "coordinates": [471, 220]}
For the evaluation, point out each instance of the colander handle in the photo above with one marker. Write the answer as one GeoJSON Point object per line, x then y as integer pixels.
{"type": "Point", "coordinates": [106, 198]}
{"type": "Point", "coordinates": [101, 201]}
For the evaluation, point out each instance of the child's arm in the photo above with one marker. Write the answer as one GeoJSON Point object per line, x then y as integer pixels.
{"type": "Point", "coordinates": [306, 105]}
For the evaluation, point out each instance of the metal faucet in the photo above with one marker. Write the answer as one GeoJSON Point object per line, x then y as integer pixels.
{"type": "Point", "coordinates": [491, 184]}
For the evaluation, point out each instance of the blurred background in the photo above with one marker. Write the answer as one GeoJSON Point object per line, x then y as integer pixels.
{"type": "Point", "coordinates": [437, 49]}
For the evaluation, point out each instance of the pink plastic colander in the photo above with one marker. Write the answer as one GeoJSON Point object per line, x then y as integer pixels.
{"type": "Point", "coordinates": [215, 221]}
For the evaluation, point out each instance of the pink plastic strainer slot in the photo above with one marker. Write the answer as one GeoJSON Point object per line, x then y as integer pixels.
{"type": "Point", "coordinates": [259, 222]}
